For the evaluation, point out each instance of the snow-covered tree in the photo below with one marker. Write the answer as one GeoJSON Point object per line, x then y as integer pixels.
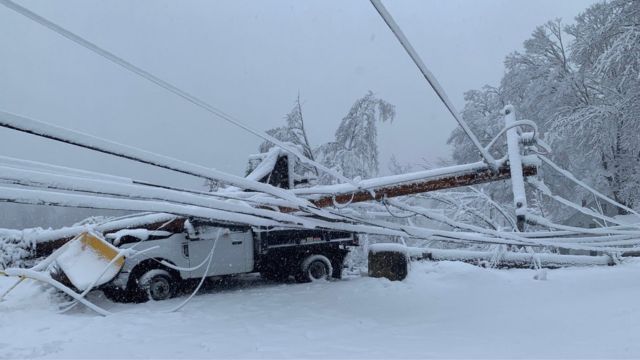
{"type": "Point", "coordinates": [293, 132]}
{"type": "Point", "coordinates": [355, 150]}
{"type": "Point", "coordinates": [603, 130]}
{"type": "Point", "coordinates": [581, 85]}
{"type": "Point", "coordinates": [482, 113]}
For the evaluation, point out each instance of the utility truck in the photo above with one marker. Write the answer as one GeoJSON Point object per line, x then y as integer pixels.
{"type": "Point", "coordinates": [209, 249]}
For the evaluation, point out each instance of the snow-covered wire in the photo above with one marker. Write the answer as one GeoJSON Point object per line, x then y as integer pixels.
{"type": "Point", "coordinates": [386, 206]}
{"type": "Point", "coordinates": [35, 197]}
{"type": "Point", "coordinates": [542, 187]}
{"type": "Point", "coordinates": [179, 268]}
{"type": "Point", "coordinates": [497, 206]}
{"type": "Point", "coordinates": [55, 170]}
{"type": "Point", "coordinates": [36, 179]}
{"type": "Point", "coordinates": [342, 206]}
{"type": "Point", "coordinates": [595, 192]}
{"type": "Point", "coordinates": [94, 143]}
{"type": "Point", "coordinates": [518, 123]}
{"type": "Point", "coordinates": [167, 86]}
{"type": "Point", "coordinates": [461, 207]}
{"type": "Point", "coordinates": [456, 224]}
{"type": "Point", "coordinates": [604, 231]}
{"type": "Point", "coordinates": [431, 79]}
{"type": "Point", "coordinates": [600, 210]}
{"type": "Point", "coordinates": [507, 238]}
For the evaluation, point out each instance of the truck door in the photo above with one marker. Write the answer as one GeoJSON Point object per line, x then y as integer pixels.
{"type": "Point", "coordinates": [233, 253]}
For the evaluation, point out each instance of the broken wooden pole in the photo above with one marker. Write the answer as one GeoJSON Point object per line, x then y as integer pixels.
{"type": "Point", "coordinates": [441, 183]}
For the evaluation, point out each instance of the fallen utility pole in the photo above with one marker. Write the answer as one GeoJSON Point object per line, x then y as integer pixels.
{"type": "Point", "coordinates": [509, 259]}
{"type": "Point", "coordinates": [391, 260]}
{"type": "Point", "coordinates": [442, 182]}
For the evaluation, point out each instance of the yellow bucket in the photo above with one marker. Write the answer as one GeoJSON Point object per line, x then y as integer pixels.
{"type": "Point", "coordinates": [89, 260]}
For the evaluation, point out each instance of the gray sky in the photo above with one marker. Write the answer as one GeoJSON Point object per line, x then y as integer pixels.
{"type": "Point", "coordinates": [250, 59]}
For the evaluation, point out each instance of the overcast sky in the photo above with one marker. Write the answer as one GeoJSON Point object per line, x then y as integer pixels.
{"type": "Point", "coordinates": [250, 59]}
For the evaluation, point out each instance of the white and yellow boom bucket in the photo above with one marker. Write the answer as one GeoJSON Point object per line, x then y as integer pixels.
{"type": "Point", "coordinates": [89, 261]}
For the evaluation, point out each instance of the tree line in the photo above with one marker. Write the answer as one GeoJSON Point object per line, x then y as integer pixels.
{"type": "Point", "coordinates": [581, 84]}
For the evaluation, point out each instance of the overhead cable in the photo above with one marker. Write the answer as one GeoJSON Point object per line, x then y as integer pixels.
{"type": "Point", "coordinates": [431, 79]}
{"type": "Point", "coordinates": [167, 86]}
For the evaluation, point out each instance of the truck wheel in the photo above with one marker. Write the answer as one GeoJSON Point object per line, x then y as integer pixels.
{"type": "Point", "coordinates": [315, 268]}
{"type": "Point", "coordinates": [157, 284]}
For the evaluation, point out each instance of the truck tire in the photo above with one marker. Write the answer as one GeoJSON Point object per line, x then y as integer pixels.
{"type": "Point", "coordinates": [315, 268]}
{"type": "Point", "coordinates": [157, 284]}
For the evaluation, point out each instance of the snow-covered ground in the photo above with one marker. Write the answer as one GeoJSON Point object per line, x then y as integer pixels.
{"type": "Point", "coordinates": [445, 309]}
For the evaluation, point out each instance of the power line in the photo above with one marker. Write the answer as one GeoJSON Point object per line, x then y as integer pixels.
{"type": "Point", "coordinates": [431, 79]}
{"type": "Point", "coordinates": [94, 143]}
{"type": "Point", "coordinates": [166, 85]}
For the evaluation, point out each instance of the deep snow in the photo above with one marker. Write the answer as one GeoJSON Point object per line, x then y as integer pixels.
{"type": "Point", "coordinates": [445, 309]}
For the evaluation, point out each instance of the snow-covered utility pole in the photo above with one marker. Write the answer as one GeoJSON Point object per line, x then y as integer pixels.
{"type": "Point", "coordinates": [515, 166]}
